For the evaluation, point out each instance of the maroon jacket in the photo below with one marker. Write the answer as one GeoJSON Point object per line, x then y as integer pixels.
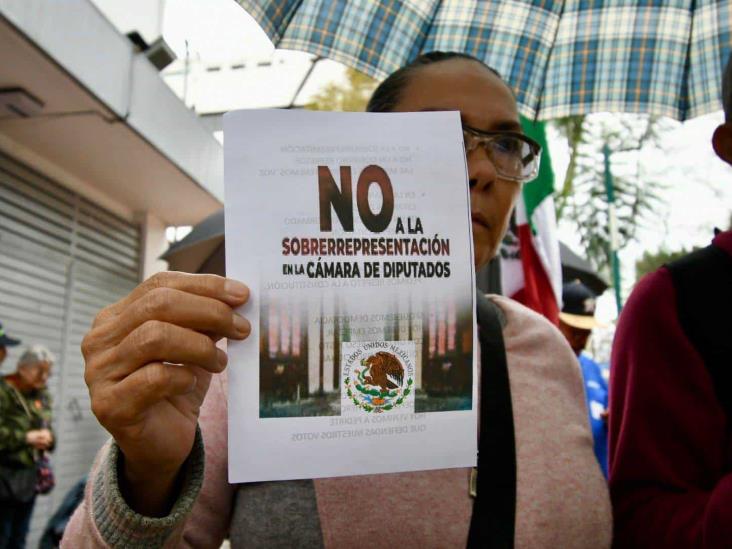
{"type": "Point", "coordinates": [670, 443]}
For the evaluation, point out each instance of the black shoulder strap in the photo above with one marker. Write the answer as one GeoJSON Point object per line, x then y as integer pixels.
{"type": "Point", "coordinates": [703, 284]}
{"type": "Point", "coordinates": [494, 509]}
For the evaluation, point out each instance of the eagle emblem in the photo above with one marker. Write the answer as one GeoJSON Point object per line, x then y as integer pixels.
{"type": "Point", "coordinates": [384, 370]}
{"type": "Point", "coordinates": [379, 384]}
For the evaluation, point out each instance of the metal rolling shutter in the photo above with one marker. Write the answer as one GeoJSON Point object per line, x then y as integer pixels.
{"type": "Point", "coordinates": [62, 259]}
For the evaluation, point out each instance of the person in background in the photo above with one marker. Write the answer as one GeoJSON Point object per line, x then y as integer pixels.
{"type": "Point", "coordinates": [576, 322]}
{"type": "Point", "coordinates": [25, 433]}
{"type": "Point", "coordinates": [671, 396]}
{"type": "Point", "coordinates": [51, 538]}
{"type": "Point", "coordinates": [5, 342]}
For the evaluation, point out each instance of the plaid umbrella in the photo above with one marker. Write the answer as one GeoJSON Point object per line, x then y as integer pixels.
{"type": "Point", "coordinates": [562, 57]}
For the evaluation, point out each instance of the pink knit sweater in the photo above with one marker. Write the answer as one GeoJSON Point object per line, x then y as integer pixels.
{"type": "Point", "coordinates": [562, 500]}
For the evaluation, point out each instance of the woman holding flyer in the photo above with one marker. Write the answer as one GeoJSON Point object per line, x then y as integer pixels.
{"type": "Point", "coordinates": [149, 486]}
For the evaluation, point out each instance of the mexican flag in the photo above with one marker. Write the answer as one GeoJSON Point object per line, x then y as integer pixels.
{"type": "Point", "coordinates": [531, 272]}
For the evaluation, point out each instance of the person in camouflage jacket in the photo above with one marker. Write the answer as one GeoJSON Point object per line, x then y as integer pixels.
{"type": "Point", "coordinates": [25, 431]}
{"type": "Point", "coordinates": [5, 342]}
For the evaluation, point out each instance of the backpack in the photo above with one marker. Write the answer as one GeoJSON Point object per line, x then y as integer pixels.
{"type": "Point", "coordinates": [703, 284]}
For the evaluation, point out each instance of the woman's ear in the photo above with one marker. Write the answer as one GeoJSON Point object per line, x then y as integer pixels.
{"type": "Point", "coordinates": [722, 142]}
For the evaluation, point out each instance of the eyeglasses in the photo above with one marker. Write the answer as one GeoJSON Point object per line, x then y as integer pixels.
{"type": "Point", "coordinates": [515, 156]}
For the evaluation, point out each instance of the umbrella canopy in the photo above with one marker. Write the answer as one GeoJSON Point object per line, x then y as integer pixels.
{"type": "Point", "coordinates": [202, 250]}
{"type": "Point", "coordinates": [562, 57]}
{"type": "Point", "coordinates": [576, 268]}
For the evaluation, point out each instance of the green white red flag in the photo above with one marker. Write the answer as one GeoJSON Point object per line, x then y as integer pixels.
{"type": "Point", "coordinates": [531, 271]}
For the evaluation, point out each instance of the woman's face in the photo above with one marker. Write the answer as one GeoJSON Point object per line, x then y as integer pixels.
{"type": "Point", "coordinates": [485, 103]}
{"type": "Point", "coordinates": [35, 375]}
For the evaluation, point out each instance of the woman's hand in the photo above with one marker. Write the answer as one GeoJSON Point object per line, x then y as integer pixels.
{"type": "Point", "coordinates": [40, 439]}
{"type": "Point", "coordinates": [149, 360]}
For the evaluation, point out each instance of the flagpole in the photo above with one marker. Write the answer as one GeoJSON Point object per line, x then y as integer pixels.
{"type": "Point", "coordinates": [613, 221]}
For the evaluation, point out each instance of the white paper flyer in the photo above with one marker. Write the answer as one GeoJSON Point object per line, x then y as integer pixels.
{"type": "Point", "coordinates": [353, 232]}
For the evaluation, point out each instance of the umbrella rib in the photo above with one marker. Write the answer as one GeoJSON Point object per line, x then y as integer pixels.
{"type": "Point", "coordinates": [304, 80]}
{"type": "Point", "coordinates": [684, 104]}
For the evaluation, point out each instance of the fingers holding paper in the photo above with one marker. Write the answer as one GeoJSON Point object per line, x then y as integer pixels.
{"type": "Point", "coordinates": [148, 363]}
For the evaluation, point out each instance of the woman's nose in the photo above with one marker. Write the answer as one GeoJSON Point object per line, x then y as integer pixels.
{"type": "Point", "coordinates": [481, 171]}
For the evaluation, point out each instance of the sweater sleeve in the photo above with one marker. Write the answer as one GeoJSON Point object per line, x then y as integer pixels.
{"type": "Point", "coordinates": [12, 438]}
{"type": "Point", "coordinates": [667, 431]}
{"type": "Point", "coordinates": [200, 516]}
{"type": "Point", "coordinates": [208, 523]}
{"type": "Point", "coordinates": [105, 520]}
{"type": "Point", "coordinates": [48, 417]}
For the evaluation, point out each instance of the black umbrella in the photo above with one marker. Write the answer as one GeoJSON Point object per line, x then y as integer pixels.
{"type": "Point", "coordinates": [202, 250]}
{"type": "Point", "coordinates": [575, 267]}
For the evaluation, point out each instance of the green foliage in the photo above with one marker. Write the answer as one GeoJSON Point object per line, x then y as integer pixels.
{"type": "Point", "coordinates": [652, 261]}
{"type": "Point", "coordinates": [360, 376]}
{"type": "Point", "coordinates": [582, 197]}
{"type": "Point", "coordinates": [406, 391]}
{"type": "Point", "coordinates": [376, 392]}
{"type": "Point", "coordinates": [351, 96]}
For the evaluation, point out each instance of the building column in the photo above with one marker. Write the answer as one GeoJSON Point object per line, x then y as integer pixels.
{"type": "Point", "coordinates": [152, 244]}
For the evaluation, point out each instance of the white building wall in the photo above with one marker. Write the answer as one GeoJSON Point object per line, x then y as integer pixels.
{"type": "Point", "coordinates": [66, 178]}
{"type": "Point", "coordinates": [154, 243]}
{"type": "Point", "coordinates": [51, 24]}
{"type": "Point", "coordinates": [155, 110]}
{"type": "Point", "coordinates": [143, 16]}
{"type": "Point", "coordinates": [152, 229]}
{"type": "Point", "coordinates": [125, 82]}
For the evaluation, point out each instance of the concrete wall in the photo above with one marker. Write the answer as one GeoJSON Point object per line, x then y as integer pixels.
{"type": "Point", "coordinates": [88, 46]}
{"type": "Point", "coordinates": [154, 242]}
{"type": "Point", "coordinates": [143, 16]}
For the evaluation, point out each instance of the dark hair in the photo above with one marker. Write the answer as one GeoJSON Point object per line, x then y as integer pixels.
{"type": "Point", "coordinates": [727, 90]}
{"type": "Point", "coordinates": [387, 95]}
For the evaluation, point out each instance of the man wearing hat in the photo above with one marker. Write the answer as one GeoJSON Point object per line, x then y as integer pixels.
{"type": "Point", "coordinates": [576, 322]}
{"type": "Point", "coordinates": [6, 341]}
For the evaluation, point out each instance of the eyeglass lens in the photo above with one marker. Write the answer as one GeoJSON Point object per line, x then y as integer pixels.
{"type": "Point", "coordinates": [512, 157]}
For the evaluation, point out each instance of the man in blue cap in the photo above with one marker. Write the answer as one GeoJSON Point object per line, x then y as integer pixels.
{"type": "Point", "coordinates": [576, 322]}
{"type": "Point", "coordinates": [6, 341]}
